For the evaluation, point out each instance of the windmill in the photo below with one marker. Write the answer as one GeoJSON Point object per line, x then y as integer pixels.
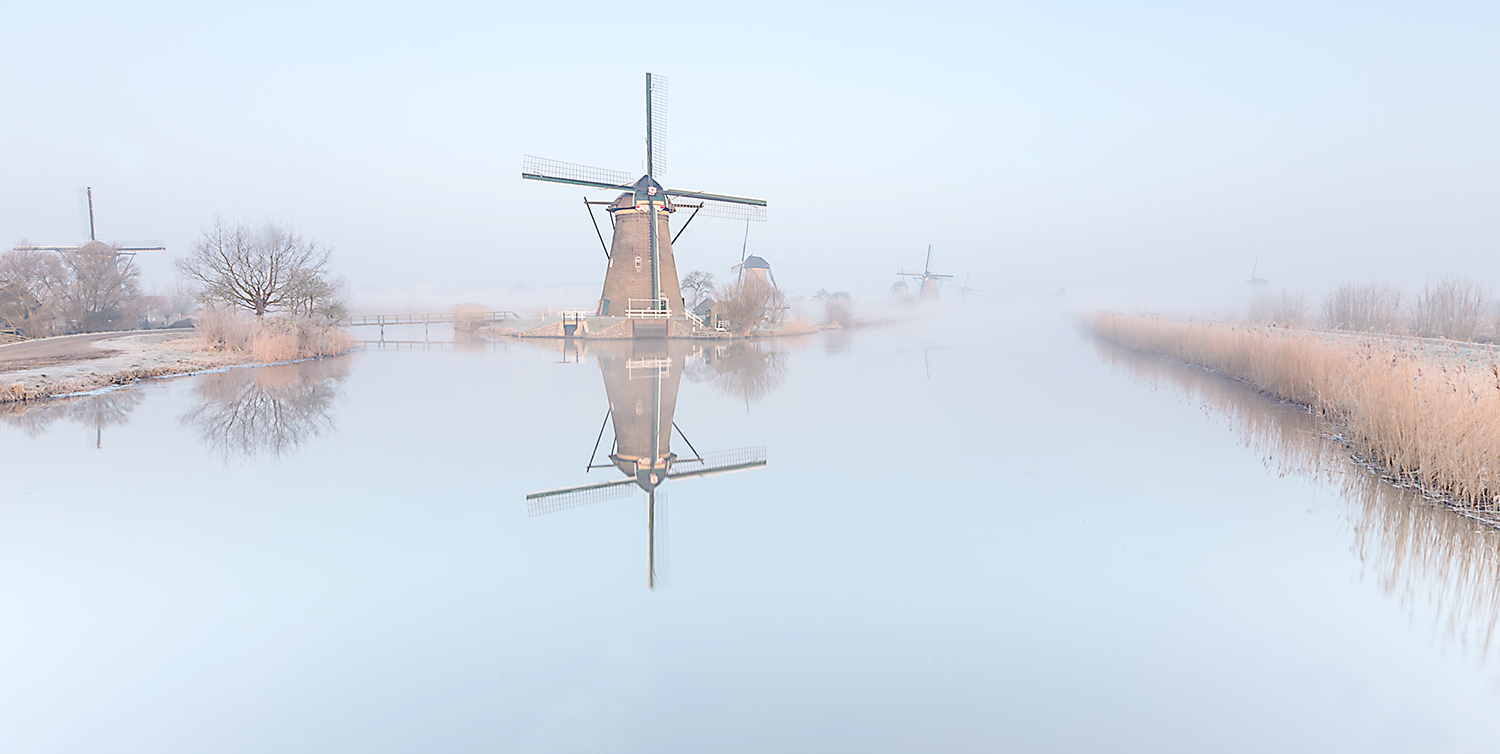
{"type": "Point", "coordinates": [757, 267]}
{"type": "Point", "coordinates": [963, 293]}
{"type": "Point", "coordinates": [642, 390]}
{"type": "Point", "coordinates": [928, 283]}
{"type": "Point", "coordinates": [641, 280]}
{"type": "Point", "coordinates": [93, 245]}
{"type": "Point", "coordinates": [1253, 279]}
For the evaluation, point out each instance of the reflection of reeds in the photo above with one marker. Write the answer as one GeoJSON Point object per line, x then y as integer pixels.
{"type": "Point", "coordinates": [245, 412]}
{"type": "Point", "coordinates": [1431, 560]}
{"type": "Point", "coordinates": [1428, 416]}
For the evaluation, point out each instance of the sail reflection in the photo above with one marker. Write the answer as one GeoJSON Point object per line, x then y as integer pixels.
{"type": "Point", "coordinates": [243, 413]}
{"type": "Point", "coordinates": [641, 382]}
{"type": "Point", "coordinates": [1440, 565]}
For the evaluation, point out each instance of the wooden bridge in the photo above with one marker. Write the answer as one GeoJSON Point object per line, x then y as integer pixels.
{"type": "Point", "coordinates": [442, 318]}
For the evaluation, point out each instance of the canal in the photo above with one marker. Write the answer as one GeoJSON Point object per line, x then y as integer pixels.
{"type": "Point", "coordinates": [933, 536]}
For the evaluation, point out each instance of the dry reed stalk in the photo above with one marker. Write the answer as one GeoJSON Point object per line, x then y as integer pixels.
{"type": "Point", "coordinates": [1416, 552]}
{"type": "Point", "coordinates": [270, 339]}
{"type": "Point", "coordinates": [1424, 418]}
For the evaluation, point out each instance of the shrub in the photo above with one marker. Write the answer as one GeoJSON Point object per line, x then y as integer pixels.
{"type": "Point", "coordinates": [1363, 307]}
{"type": "Point", "coordinates": [1454, 308]}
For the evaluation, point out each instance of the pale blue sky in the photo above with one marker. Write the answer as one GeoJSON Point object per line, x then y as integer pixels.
{"type": "Point", "coordinates": [1122, 151]}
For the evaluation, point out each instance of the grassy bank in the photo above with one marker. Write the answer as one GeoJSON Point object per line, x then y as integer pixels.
{"type": "Point", "coordinates": [1426, 416]}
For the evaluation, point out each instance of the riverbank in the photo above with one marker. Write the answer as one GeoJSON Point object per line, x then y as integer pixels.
{"type": "Point", "coordinates": [1425, 415]}
{"type": "Point", "coordinates": [116, 360]}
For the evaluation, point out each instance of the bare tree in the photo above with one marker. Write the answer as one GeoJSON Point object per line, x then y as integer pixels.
{"type": "Point", "coordinates": [1366, 308]}
{"type": "Point", "coordinates": [275, 269]}
{"type": "Point", "coordinates": [1283, 308]}
{"type": "Point", "coordinates": [32, 286]}
{"type": "Point", "coordinates": [1453, 308]}
{"type": "Point", "coordinates": [751, 304]}
{"type": "Point", "coordinates": [103, 289]}
{"type": "Point", "coordinates": [838, 307]}
{"type": "Point", "coordinates": [700, 283]}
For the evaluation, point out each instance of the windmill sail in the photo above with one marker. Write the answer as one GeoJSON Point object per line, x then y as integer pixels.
{"type": "Point", "coordinates": [658, 561]}
{"type": "Point", "coordinates": [746, 210]}
{"type": "Point", "coordinates": [86, 212]}
{"type": "Point", "coordinates": [720, 462]}
{"type": "Point", "coordinates": [552, 501]}
{"type": "Point", "coordinates": [556, 171]}
{"type": "Point", "coordinates": [656, 123]}
{"type": "Point", "coordinates": [154, 245]}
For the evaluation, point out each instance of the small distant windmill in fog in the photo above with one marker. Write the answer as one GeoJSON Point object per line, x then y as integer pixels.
{"type": "Point", "coordinates": [93, 245]}
{"type": "Point", "coordinates": [929, 283]}
{"type": "Point", "coordinates": [754, 266]}
{"type": "Point", "coordinates": [1253, 279]}
{"type": "Point", "coordinates": [963, 293]}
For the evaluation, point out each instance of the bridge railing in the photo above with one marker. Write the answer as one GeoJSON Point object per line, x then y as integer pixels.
{"type": "Point", "coordinates": [443, 318]}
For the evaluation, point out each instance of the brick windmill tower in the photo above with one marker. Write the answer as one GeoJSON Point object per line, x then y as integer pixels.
{"type": "Point", "coordinates": [641, 280]}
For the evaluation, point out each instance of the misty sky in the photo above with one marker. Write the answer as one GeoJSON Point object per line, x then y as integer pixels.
{"type": "Point", "coordinates": [1125, 153]}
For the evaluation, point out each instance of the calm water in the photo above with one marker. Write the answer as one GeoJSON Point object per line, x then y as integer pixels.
{"type": "Point", "coordinates": [959, 541]}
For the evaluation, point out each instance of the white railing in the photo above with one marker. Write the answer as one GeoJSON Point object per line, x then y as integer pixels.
{"type": "Point", "coordinates": [649, 367]}
{"type": "Point", "coordinates": [647, 308]}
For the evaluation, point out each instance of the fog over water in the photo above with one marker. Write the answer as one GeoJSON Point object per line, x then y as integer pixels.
{"type": "Point", "coordinates": [951, 545]}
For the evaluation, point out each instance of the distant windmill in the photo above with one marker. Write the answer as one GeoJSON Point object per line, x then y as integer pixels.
{"type": "Point", "coordinates": [643, 385]}
{"type": "Point", "coordinates": [1253, 279]}
{"type": "Point", "coordinates": [929, 284]}
{"type": "Point", "coordinates": [963, 293]}
{"type": "Point", "coordinates": [93, 245]}
{"type": "Point", "coordinates": [641, 280]}
{"type": "Point", "coordinates": [756, 267]}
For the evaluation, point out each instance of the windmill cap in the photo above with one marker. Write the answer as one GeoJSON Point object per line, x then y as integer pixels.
{"type": "Point", "coordinates": [754, 262]}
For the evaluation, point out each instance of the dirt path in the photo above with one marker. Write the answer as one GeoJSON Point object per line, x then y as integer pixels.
{"type": "Point", "coordinates": [36, 354]}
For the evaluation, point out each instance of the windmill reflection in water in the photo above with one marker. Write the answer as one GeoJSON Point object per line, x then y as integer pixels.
{"type": "Point", "coordinates": [641, 379]}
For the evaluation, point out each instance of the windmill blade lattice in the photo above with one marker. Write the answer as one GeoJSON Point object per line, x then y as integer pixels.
{"type": "Point", "coordinates": [657, 134]}
{"type": "Point", "coordinates": [544, 169]}
{"type": "Point", "coordinates": [719, 462]}
{"type": "Point", "coordinates": [660, 557]}
{"type": "Point", "coordinates": [541, 503]}
{"type": "Point", "coordinates": [725, 210]}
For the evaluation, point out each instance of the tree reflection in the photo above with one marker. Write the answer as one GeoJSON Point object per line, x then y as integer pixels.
{"type": "Point", "coordinates": [242, 413]}
{"type": "Point", "coordinates": [748, 370]}
{"type": "Point", "coordinates": [1442, 564]}
{"type": "Point", "coordinates": [111, 408]}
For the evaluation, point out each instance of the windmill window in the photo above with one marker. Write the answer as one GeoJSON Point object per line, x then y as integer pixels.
{"type": "Point", "coordinates": [637, 264]}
